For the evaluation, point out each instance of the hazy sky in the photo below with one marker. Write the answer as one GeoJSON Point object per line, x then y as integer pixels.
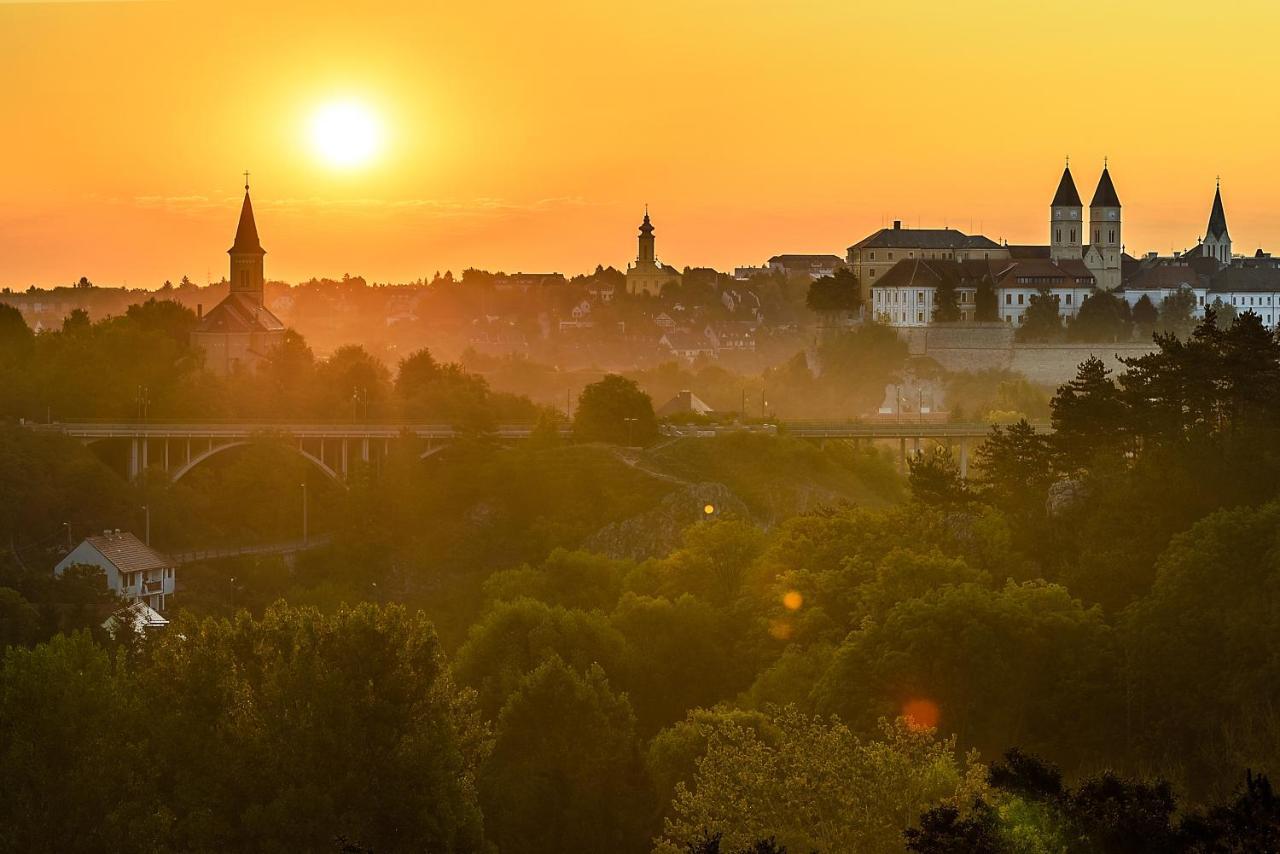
{"type": "Point", "coordinates": [528, 135]}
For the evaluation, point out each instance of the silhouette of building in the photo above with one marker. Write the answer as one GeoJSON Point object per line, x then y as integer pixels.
{"type": "Point", "coordinates": [240, 333]}
{"type": "Point", "coordinates": [873, 256]}
{"type": "Point", "coordinates": [1103, 255]}
{"type": "Point", "coordinates": [646, 275]}
{"type": "Point", "coordinates": [1217, 241]}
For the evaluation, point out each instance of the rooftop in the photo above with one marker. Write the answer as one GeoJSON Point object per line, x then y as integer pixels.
{"type": "Point", "coordinates": [898, 237]}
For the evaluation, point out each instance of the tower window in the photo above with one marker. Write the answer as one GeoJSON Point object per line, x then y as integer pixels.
{"type": "Point", "coordinates": [1058, 235]}
{"type": "Point", "coordinates": [1073, 235]}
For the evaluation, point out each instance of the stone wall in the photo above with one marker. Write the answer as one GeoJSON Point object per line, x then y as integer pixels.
{"type": "Point", "coordinates": [987, 346]}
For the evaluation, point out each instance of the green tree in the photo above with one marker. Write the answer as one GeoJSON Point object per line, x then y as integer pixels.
{"type": "Point", "coordinates": [986, 302]}
{"type": "Point", "coordinates": [1199, 648]}
{"type": "Point", "coordinates": [935, 479]}
{"type": "Point", "coordinates": [998, 667]}
{"type": "Point", "coordinates": [1089, 417]}
{"type": "Point", "coordinates": [615, 410]}
{"type": "Point", "coordinates": [812, 784]}
{"type": "Point", "coordinates": [1103, 317]}
{"type": "Point", "coordinates": [1041, 322]}
{"type": "Point", "coordinates": [946, 308]}
{"type": "Point", "coordinates": [837, 293]}
{"type": "Point", "coordinates": [1177, 313]}
{"type": "Point", "coordinates": [565, 773]}
{"type": "Point", "coordinates": [1145, 317]}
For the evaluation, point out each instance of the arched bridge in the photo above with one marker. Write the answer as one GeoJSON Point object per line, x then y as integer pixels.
{"type": "Point", "coordinates": [177, 448]}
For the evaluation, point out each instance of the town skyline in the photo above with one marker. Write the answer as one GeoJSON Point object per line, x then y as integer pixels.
{"type": "Point", "coordinates": [282, 211]}
{"type": "Point", "coordinates": [534, 144]}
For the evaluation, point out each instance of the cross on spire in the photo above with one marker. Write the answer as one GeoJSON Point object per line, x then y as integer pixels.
{"type": "Point", "coordinates": [246, 181]}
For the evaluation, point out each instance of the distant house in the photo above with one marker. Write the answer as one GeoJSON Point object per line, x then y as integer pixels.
{"type": "Point", "coordinates": [686, 345]}
{"type": "Point", "coordinates": [813, 266]}
{"type": "Point", "coordinates": [138, 617]}
{"type": "Point", "coordinates": [732, 335]}
{"type": "Point", "coordinates": [684, 403]}
{"type": "Point", "coordinates": [134, 570]}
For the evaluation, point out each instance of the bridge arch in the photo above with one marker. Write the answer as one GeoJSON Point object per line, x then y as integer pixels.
{"type": "Point", "coordinates": [186, 468]}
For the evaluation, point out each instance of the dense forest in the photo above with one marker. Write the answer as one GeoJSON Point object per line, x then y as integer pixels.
{"type": "Point", "coordinates": [745, 643]}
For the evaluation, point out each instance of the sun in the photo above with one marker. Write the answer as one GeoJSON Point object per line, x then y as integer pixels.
{"type": "Point", "coordinates": [345, 134]}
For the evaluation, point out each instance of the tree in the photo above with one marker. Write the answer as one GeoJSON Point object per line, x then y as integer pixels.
{"type": "Point", "coordinates": [946, 309]}
{"type": "Point", "coordinates": [1089, 417]}
{"type": "Point", "coordinates": [1145, 317]}
{"type": "Point", "coordinates": [1199, 649]}
{"type": "Point", "coordinates": [1224, 313]}
{"type": "Point", "coordinates": [1001, 667]}
{"type": "Point", "coordinates": [1177, 313]}
{"type": "Point", "coordinates": [831, 294]}
{"type": "Point", "coordinates": [986, 303]}
{"type": "Point", "coordinates": [565, 772]}
{"type": "Point", "coordinates": [935, 479]}
{"type": "Point", "coordinates": [812, 784]}
{"type": "Point", "coordinates": [1103, 317]}
{"type": "Point", "coordinates": [615, 410]}
{"type": "Point", "coordinates": [1041, 322]}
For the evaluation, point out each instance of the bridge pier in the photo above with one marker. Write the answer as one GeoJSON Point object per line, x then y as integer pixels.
{"type": "Point", "coordinates": [133, 459]}
{"type": "Point", "coordinates": [364, 449]}
{"type": "Point", "coordinates": [902, 455]}
{"type": "Point", "coordinates": [344, 458]}
{"type": "Point", "coordinates": [145, 463]}
{"type": "Point", "coordinates": [964, 458]}
{"type": "Point", "coordinates": [166, 456]}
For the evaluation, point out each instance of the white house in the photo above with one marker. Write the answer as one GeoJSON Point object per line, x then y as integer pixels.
{"type": "Point", "coordinates": [134, 570]}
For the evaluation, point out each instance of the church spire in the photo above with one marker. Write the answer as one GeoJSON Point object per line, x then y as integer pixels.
{"type": "Point", "coordinates": [247, 230]}
{"type": "Point", "coordinates": [1217, 216]}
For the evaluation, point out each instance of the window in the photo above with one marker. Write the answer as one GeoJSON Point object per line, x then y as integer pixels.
{"type": "Point", "coordinates": [1068, 299]}
{"type": "Point", "coordinates": [911, 254]}
{"type": "Point", "coordinates": [1073, 235]}
{"type": "Point", "coordinates": [890, 256]}
{"type": "Point", "coordinates": [1057, 235]}
{"type": "Point", "coordinates": [1020, 299]}
{"type": "Point", "coordinates": [873, 256]}
{"type": "Point", "coordinates": [873, 274]}
{"type": "Point", "coordinates": [1008, 299]}
{"type": "Point", "coordinates": [1008, 319]}
{"type": "Point", "coordinates": [919, 296]}
{"type": "Point", "coordinates": [919, 317]}
{"type": "Point", "coordinates": [1097, 235]}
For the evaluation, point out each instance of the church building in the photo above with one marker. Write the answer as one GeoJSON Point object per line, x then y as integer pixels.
{"type": "Point", "coordinates": [240, 333]}
{"type": "Point", "coordinates": [646, 275]}
{"type": "Point", "coordinates": [1103, 255]}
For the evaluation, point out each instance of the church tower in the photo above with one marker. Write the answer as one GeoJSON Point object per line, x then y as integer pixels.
{"type": "Point", "coordinates": [645, 257]}
{"type": "Point", "coordinates": [1066, 220]}
{"type": "Point", "coordinates": [247, 254]}
{"type": "Point", "coordinates": [1104, 223]}
{"type": "Point", "coordinates": [1217, 241]}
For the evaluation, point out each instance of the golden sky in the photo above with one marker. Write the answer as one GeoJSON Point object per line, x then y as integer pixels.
{"type": "Point", "coordinates": [528, 136]}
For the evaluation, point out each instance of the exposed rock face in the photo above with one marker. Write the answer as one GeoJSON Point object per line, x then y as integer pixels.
{"type": "Point", "coordinates": [657, 532]}
{"type": "Point", "coordinates": [1065, 496]}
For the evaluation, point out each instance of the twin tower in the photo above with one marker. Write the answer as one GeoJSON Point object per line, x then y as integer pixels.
{"type": "Point", "coordinates": [1066, 229]}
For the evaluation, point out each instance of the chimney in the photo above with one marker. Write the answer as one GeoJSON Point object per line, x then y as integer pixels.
{"type": "Point", "coordinates": [897, 224]}
{"type": "Point", "coordinates": [199, 311]}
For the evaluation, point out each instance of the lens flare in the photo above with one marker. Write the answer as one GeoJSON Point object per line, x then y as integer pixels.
{"type": "Point", "coordinates": [792, 600]}
{"type": "Point", "coordinates": [921, 714]}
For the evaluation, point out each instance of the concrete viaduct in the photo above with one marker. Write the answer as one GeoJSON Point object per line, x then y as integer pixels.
{"type": "Point", "coordinates": [178, 447]}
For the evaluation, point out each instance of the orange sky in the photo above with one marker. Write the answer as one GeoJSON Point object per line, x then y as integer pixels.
{"type": "Point", "coordinates": [528, 136]}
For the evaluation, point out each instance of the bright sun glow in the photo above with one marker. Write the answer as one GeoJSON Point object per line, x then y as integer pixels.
{"type": "Point", "coordinates": [345, 134]}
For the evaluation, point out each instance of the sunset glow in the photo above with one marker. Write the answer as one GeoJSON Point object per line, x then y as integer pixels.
{"type": "Point", "coordinates": [345, 134]}
{"type": "Point", "coordinates": [771, 128]}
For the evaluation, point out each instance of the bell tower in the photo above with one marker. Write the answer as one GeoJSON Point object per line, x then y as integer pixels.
{"type": "Point", "coordinates": [645, 256]}
{"type": "Point", "coordinates": [247, 253]}
{"type": "Point", "coordinates": [1066, 220]}
{"type": "Point", "coordinates": [1217, 240]}
{"type": "Point", "coordinates": [1104, 225]}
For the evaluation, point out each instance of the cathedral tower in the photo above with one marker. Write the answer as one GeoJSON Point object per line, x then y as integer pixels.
{"type": "Point", "coordinates": [1217, 241]}
{"type": "Point", "coordinates": [1066, 220]}
{"type": "Point", "coordinates": [645, 255]}
{"type": "Point", "coordinates": [247, 254]}
{"type": "Point", "coordinates": [1104, 224]}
